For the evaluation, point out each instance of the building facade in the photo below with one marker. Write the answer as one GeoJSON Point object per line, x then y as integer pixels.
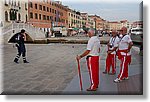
{"type": "Point", "coordinates": [99, 22]}
{"type": "Point", "coordinates": [91, 22]}
{"type": "Point", "coordinates": [45, 14]}
{"type": "Point", "coordinates": [74, 19]}
{"type": "Point", "coordinates": [14, 11]}
{"type": "Point", "coordinates": [114, 25]}
{"type": "Point", "coordinates": [84, 20]}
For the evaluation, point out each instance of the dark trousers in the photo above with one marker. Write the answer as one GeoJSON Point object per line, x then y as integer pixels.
{"type": "Point", "coordinates": [20, 52]}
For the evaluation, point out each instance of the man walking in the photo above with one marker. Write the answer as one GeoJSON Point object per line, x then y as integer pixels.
{"type": "Point", "coordinates": [111, 54]}
{"type": "Point", "coordinates": [20, 38]}
{"type": "Point", "coordinates": [92, 53]}
{"type": "Point", "coordinates": [124, 55]}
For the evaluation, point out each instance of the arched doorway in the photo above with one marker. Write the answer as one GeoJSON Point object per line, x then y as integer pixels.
{"type": "Point", "coordinates": [12, 39]}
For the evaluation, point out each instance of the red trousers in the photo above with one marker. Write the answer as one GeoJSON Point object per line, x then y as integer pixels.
{"type": "Point", "coordinates": [125, 61]}
{"type": "Point", "coordinates": [111, 61]}
{"type": "Point", "coordinates": [93, 67]}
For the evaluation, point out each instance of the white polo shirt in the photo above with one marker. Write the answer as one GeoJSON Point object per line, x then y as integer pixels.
{"type": "Point", "coordinates": [124, 43]}
{"type": "Point", "coordinates": [114, 41]}
{"type": "Point", "coordinates": [94, 46]}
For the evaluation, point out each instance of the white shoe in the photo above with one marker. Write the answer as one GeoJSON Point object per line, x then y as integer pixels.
{"type": "Point", "coordinates": [117, 80]}
{"type": "Point", "coordinates": [126, 78]}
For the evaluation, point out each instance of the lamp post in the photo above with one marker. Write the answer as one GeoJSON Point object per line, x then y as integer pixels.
{"type": "Point", "coordinates": [52, 26]}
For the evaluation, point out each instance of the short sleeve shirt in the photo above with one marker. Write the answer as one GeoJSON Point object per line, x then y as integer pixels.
{"type": "Point", "coordinates": [94, 46]}
{"type": "Point", "coordinates": [124, 43]}
{"type": "Point", "coordinates": [114, 41]}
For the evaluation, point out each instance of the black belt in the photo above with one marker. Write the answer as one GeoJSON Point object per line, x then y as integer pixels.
{"type": "Point", "coordinates": [88, 56]}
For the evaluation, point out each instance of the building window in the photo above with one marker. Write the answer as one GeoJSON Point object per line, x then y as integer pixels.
{"type": "Point", "coordinates": [55, 19]}
{"type": "Point", "coordinates": [26, 18]}
{"type": "Point", "coordinates": [47, 9]}
{"type": "Point", "coordinates": [13, 15]}
{"type": "Point", "coordinates": [44, 8]}
{"type": "Point", "coordinates": [44, 17]}
{"type": "Point", "coordinates": [40, 7]}
{"type": "Point", "coordinates": [61, 14]}
{"type": "Point", "coordinates": [25, 6]}
{"type": "Point", "coordinates": [6, 4]}
{"type": "Point", "coordinates": [31, 15]}
{"type": "Point", "coordinates": [19, 17]}
{"type": "Point", "coordinates": [15, 4]}
{"type": "Point", "coordinates": [55, 11]}
{"type": "Point", "coordinates": [47, 17]}
{"type": "Point", "coordinates": [40, 16]}
{"type": "Point", "coordinates": [36, 16]}
{"type": "Point", "coordinates": [31, 4]}
{"type": "Point", "coordinates": [50, 10]}
{"type": "Point", "coordinates": [6, 16]}
{"type": "Point", "coordinates": [35, 6]}
{"type": "Point", "coordinates": [51, 18]}
{"type": "Point", "coordinates": [19, 3]}
{"type": "Point", "coordinates": [11, 2]}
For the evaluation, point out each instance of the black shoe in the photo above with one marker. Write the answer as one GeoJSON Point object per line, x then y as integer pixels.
{"type": "Point", "coordinates": [105, 72]}
{"type": "Point", "coordinates": [89, 89]}
{"type": "Point", "coordinates": [111, 73]}
{"type": "Point", "coordinates": [16, 60]}
{"type": "Point", "coordinates": [26, 62]}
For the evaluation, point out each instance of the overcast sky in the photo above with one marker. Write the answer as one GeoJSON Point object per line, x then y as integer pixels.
{"type": "Point", "coordinates": [111, 10]}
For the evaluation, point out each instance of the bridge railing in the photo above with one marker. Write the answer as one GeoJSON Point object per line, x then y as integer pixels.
{"type": "Point", "coordinates": [16, 27]}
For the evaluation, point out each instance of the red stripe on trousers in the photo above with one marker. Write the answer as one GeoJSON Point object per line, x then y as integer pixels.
{"type": "Point", "coordinates": [93, 67]}
{"type": "Point", "coordinates": [125, 61]}
{"type": "Point", "coordinates": [111, 61]}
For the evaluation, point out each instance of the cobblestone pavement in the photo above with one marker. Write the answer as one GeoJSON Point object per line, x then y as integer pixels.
{"type": "Point", "coordinates": [107, 87]}
{"type": "Point", "coordinates": [51, 68]}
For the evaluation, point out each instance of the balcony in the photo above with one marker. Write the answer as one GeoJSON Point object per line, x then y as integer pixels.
{"type": "Point", "coordinates": [15, 7]}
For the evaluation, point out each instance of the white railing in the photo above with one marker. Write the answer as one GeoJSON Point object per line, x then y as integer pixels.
{"type": "Point", "coordinates": [16, 27]}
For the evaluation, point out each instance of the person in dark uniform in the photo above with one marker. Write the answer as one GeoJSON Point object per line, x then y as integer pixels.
{"type": "Point", "coordinates": [20, 38]}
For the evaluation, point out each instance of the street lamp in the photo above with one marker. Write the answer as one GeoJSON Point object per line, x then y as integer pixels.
{"type": "Point", "coordinates": [52, 23]}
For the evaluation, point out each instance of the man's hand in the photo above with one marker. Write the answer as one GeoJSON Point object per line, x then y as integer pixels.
{"type": "Point", "coordinates": [78, 57]}
{"type": "Point", "coordinates": [109, 52]}
{"type": "Point", "coordinates": [17, 45]}
{"type": "Point", "coordinates": [128, 50]}
{"type": "Point", "coordinates": [83, 55]}
{"type": "Point", "coordinates": [25, 37]}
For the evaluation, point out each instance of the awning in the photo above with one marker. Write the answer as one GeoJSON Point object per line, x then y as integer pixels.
{"type": "Point", "coordinates": [75, 28]}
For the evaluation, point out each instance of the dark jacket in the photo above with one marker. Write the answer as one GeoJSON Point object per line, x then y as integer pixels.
{"type": "Point", "coordinates": [20, 40]}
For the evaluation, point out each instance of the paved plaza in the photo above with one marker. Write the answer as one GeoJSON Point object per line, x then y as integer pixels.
{"type": "Point", "coordinates": [53, 70]}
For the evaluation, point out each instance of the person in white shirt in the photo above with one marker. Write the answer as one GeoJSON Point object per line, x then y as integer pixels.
{"type": "Point", "coordinates": [111, 54]}
{"type": "Point", "coordinates": [92, 52]}
{"type": "Point", "coordinates": [124, 55]}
